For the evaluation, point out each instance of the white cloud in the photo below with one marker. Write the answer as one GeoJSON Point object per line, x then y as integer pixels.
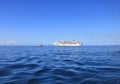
{"type": "Point", "coordinates": [8, 42]}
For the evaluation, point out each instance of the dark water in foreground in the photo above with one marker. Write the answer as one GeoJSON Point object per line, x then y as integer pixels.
{"type": "Point", "coordinates": [60, 65]}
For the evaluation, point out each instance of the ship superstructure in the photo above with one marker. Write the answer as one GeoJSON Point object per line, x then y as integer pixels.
{"type": "Point", "coordinates": [68, 43]}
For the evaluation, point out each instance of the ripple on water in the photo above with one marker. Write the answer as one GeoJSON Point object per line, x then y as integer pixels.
{"type": "Point", "coordinates": [63, 72]}
{"type": "Point", "coordinates": [42, 71]}
{"type": "Point", "coordinates": [71, 61]}
{"type": "Point", "coordinates": [22, 66]}
{"type": "Point", "coordinates": [33, 81]}
{"type": "Point", "coordinates": [4, 72]}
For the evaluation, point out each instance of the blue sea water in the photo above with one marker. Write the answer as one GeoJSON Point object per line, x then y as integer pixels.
{"type": "Point", "coordinates": [60, 65]}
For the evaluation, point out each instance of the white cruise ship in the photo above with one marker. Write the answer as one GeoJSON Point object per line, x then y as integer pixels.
{"type": "Point", "coordinates": [68, 43]}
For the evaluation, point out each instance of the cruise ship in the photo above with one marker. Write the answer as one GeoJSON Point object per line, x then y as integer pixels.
{"type": "Point", "coordinates": [68, 43]}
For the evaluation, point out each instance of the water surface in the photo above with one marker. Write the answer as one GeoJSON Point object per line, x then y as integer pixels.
{"type": "Point", "coordinates": [60, 65]}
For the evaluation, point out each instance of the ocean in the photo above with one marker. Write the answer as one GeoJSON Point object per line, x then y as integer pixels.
{"type": "Point", "coordinates": [60, 65]}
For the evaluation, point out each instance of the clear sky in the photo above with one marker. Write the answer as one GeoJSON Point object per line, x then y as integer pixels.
{"type": "Point", "coordinates": [94, 22]}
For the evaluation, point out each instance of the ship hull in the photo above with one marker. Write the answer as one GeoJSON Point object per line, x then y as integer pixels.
{"type": "Point", "coordinates": [67, 45]}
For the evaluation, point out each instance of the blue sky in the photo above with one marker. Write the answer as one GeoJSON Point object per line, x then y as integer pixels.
{"type": "Point", "coordinates": [94, 22]}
